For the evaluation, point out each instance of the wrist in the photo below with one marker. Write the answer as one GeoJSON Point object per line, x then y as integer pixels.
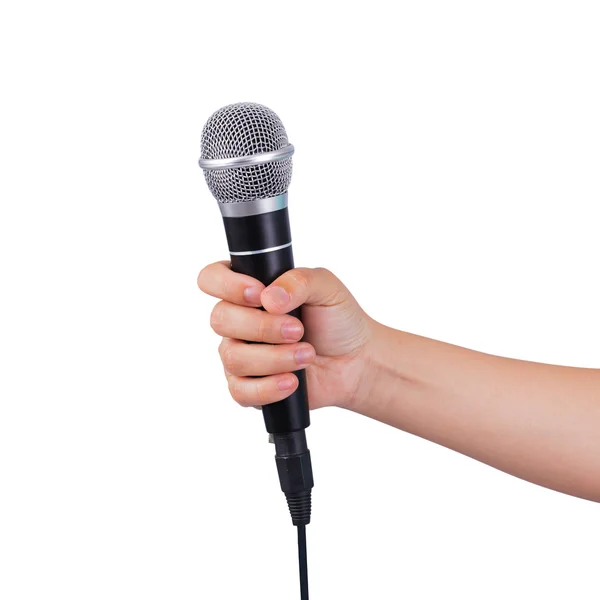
{"type": "Point", "coordinates": [385, 370]}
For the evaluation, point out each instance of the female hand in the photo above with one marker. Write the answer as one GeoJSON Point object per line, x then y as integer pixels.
{"type": "Point", "coordinates": [335, 334]}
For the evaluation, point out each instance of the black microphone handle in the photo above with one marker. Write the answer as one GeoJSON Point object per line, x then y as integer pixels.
{"type": "Point", "coordinates": [247, 238]}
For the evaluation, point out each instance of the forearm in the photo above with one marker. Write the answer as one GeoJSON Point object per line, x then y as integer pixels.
{"type": "Point", "coordinates": [538, 422]}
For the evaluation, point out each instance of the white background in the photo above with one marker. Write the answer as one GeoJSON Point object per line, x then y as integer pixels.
{"type": "Point", "coordinates": [446, 169]}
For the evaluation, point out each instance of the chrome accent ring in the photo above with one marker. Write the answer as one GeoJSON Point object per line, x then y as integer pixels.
{"type": "Point", "coordinates": [253, 207]}
{"type": "Point", "coordinates": [211, 164]}
{"type": "Point", "coordinates": [250, 252]}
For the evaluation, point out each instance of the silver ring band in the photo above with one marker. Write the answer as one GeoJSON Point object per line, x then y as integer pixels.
{"type": "Point", "coordinates": [250, 252]}
{"type": "Point", "coordinates": [253, 207]}
{"type": "Point", "coordinates": [210, 164]}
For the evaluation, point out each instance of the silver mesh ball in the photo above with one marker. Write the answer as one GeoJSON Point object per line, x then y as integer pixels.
{"type": "Point", "coordinates": [245, 129]}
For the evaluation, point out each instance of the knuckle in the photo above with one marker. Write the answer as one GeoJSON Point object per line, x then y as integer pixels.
{"type": "Point", "coordinates": [216, 317]}
{"type": "Point", "coordinates": [201, 279]}
{"type": "Point", "coordinates": [230, 360]}
{"type": "Point", "coordinates": [324, 271]}
{"type": "Point", "coordinates": [263, 329]}
{"type": "Point", "coordinates": [336, 292]}
{"type": "Point", "coordinates": [236, 392]}
{"type": "Point", "coordinates": [226, 288]}
{"type": "Point", "coordinates": [260, 392]}
{"type": "Point", "coordinates": [299, 277]}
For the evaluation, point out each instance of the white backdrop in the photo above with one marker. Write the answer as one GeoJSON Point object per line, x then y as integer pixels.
{"type": "Point", "coordinates": [446, 169]}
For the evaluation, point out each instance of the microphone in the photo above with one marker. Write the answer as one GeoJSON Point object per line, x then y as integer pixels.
{"type": "Point", "coordinates": [247, 163]}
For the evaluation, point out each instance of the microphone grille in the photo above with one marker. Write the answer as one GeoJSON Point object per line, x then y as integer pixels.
{"type": "Point", "coordinates": [245, 129]}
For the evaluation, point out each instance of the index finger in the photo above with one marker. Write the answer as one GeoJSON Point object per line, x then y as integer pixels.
{"type": "Point", "coordinates": [220, 281]}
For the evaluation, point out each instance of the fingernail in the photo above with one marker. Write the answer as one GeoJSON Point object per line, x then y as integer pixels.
{"type": "Point", "coordinates": [291, 331]}
{"type": "Point", "coordinates": [252, 295]}
{"type": "Point", "coordinates": [304, 355]}
{"type": "Point", "coordinates": [278, 296]}
{"type": "Point", "coordinates": [286, 384]}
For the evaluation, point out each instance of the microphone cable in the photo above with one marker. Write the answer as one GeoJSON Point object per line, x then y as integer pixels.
{"type": "Point", "coordinates": [303, 562]}
{"type": "Point", "coordinates": [292, 457]}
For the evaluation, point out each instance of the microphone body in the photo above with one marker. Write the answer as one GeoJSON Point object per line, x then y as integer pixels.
{"type": "Point", "coordinates": [246, 158]}
{"type": "Point", "coordinates": [260, 246]}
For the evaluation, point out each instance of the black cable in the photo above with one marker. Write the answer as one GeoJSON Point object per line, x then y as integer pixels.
{"type": "Point", "coordinates": [292, 457]}
{"type": "Point", "coordinates": [303, 562]}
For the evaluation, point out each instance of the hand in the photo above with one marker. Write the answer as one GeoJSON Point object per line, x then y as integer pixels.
{"type": "Point", "coordinates": [335, 333]}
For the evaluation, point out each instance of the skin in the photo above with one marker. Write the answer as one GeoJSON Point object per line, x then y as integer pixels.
{"type": "Point", "coordinates": [535, 421]}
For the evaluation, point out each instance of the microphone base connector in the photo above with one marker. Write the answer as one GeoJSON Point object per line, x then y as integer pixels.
{"type": "Point", "coordinates": [294, 467]}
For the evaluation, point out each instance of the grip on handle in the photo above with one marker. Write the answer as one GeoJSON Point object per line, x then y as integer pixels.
{"type": "Point", "coordinates": [256, 233]}
{"type": "Point", "coordinates": [261, 247]}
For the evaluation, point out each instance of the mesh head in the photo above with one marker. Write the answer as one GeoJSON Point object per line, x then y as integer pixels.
{"type": "Point", "coordinates": [245, 129]}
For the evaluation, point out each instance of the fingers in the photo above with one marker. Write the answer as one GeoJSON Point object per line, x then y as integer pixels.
{"type": "Point", "coordinates": [303, 286]}
{"type": "Point", "coordinates": [244, 360]}
{"type": "Point", "coordinates": [296, 287]}
{"type": "Point", "coordinates": [231, 321]}
{"type": "Point", "coordinates": [220, 281]}
{"type": "Point", "coordinates": [263, 390]}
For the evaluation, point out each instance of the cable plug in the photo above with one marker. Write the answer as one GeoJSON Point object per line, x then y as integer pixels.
{"type": "Point", "coordinates": [294, 467]}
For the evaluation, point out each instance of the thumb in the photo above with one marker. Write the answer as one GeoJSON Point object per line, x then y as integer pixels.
{"type": "Point", "coordinates": [317, 287]}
